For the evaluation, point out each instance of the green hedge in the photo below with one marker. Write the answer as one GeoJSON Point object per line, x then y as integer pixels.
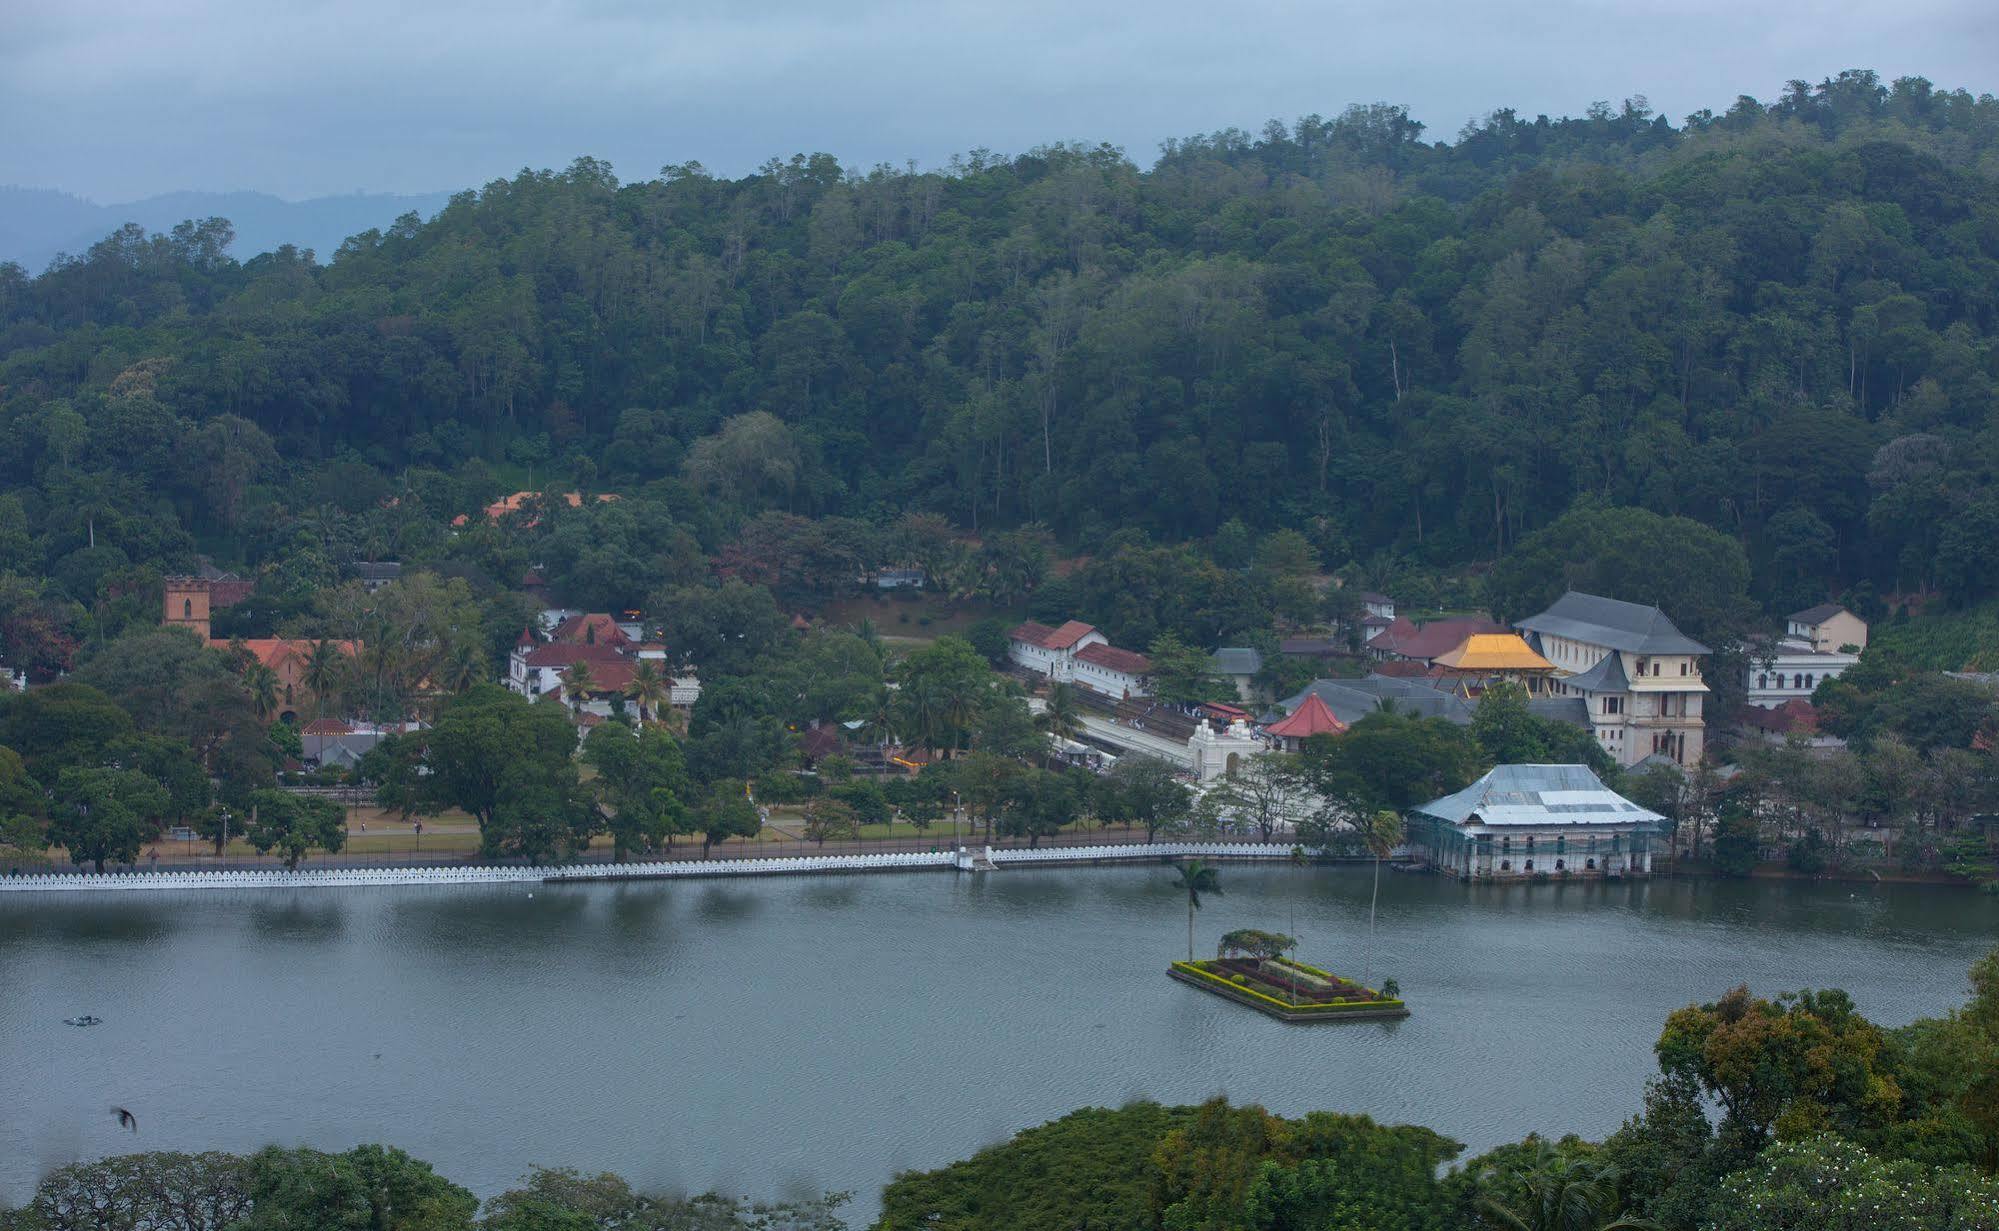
{"type": "Point", "coordinates": [1352, 1006]}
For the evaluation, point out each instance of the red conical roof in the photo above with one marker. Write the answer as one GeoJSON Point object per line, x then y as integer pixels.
{"type": "Point", "coordinates": [1309, 719]}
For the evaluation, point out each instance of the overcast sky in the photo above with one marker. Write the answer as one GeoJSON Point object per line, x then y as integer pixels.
{"type": "Point", "coordinates": [117, 99]}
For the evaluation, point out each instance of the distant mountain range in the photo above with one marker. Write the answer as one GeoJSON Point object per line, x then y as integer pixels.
{"type": "Point", "coordinates": [38, 223]}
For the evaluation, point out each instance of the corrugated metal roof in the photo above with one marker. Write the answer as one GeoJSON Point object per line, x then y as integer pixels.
{"type": "Point", "coordinates": [1539, 795]}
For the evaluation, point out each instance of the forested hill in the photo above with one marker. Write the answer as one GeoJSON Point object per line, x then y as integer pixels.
{"type": "Point", "coordinates": [1778, 320]}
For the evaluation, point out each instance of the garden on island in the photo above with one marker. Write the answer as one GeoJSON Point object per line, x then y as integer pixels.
{"type": "Point", "coordinates": [1252, 967]}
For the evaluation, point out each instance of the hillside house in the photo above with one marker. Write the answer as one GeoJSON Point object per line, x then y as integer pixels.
{"type": "Point", "coordinates": [1051, 652]}
{"type": "Point", "coordinates": [611, 655]}
{"type": "Point", "coordinates": [1828, 629]}
{"type": "Point", "coordinates": [1238, 665]}
{"type": "Point", "coordinates": [1818, 644]}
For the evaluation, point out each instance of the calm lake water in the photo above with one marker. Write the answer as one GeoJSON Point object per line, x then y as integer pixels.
{"type": "Point", "coordinates": [785, 1036]}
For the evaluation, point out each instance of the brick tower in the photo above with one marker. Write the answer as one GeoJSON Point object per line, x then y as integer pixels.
{"type": "Point", "coordinates": [186, 605]}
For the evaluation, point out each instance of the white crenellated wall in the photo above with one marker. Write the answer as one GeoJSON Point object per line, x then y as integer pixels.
{"type": "Point", "coordinates": [307, 878]}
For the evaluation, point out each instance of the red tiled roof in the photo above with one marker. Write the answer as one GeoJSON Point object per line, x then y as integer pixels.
{"type": "Point", "coordinates": [1111, 658]}
{"type": "Point", "coordinates": [1404, 669]}
{"type": "Point", "coordinates": [578, 629]}
{"type": "Point", "coordinates": [613, 676]}
{"type": "Point", "coordinates": [1048, 638]}
{"type": "Point", "coordinates": [1309, 719]}
{"type": "Point", "coordinates": [1069, 634]}
{"type": "Point", "coordinates": [1032, 633]}
{"type": "Point", "coordinates": [1796, 714]}
{"type": "Point", "coordinates": [326, 726]}
{"type": "Point", "coordinates": [819, 742]}
{"type": "Point", "coordinates": [512, 504]}
{"type": "Point", "coordinates": [532, 578]}
{"type": "Point", "coordinates": [562, 653]}
{"type": "Point", "coordinates": [1436, 637]}
{"type": "Point", "coordinates": [227, 592]}
{"type": "Point", "coordinates": [273, 652]}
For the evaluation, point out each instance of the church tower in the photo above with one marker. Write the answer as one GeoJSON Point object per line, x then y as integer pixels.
{"type": "Point", "coordinates": [186, 605]}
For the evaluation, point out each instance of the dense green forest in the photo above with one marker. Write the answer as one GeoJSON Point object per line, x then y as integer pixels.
{"type": "Point", "coordinates": [1777, 321]}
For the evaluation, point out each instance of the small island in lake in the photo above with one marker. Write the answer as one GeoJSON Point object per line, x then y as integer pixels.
{"type": "Point", "coordinates": [1251, 968]}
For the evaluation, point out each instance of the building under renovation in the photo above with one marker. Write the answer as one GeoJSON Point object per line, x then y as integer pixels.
{"type": "Point", "coordinates": [1520, 822]}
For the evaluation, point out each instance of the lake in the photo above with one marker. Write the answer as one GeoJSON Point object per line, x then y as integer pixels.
{"type": "Point", "coordinates": [782, 1036]}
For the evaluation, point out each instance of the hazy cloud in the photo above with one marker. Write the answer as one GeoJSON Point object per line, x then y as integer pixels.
{"type": "Point", "coordinates": [121, 98]}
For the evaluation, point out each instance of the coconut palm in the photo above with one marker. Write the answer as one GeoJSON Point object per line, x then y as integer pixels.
{"type": "Point", "coordinates": [922, 713]}
{"type": "Point", "coordinates": [1557, 1192]}
{"type": "Point", "coordinates": [1060, 716]}
{"type": "Point", "coordinates": [262, 683]}
{"type": "Point", "coordinates": [1196, 878]}
{"type": "Point", "coordinates": [464, 667]}
{"type": "Point", "coordinates": [577, 683]}
{"type": "Point", "coordinates": [325, 664]}
{"type": "Point", "coordinates": [878, 719]}
{"type": "Point", "coordinates": [649, 689]}
{"type": "Point", "coordinates": [1384, 834]}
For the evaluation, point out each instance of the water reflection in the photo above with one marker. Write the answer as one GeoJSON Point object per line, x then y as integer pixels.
{"type": "Point", "coordinates": [728, 902]}
{"type": "Point", "coordinates": [316, 918]}
{"type": "Point", "coordinates": [825, 1031]}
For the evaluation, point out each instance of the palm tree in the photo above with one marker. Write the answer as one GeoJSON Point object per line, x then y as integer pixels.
{"type": "Point", "coordinates": [1558, 1192]}
{"type": "Point", "coordinates": [262, 682]}
{"type": "Point", "coordinates": [1384, 834]}
{"type": "Point", "coordinates": [465, 667]}
{"type": "Point", "coordinates": [648, 689]}
{"type": "Point", "coordinates": [577, 683]}
{"type": "Point", "coordinates": [1060, 716]}
{"type": "Point", "coordinates": [324, 666]}
{"type": "Point", "coordinates": [871, 637]}
{"type": "Point", "coordinates": [1196, 878]}
{"type": "Point", "coordinates": [922, 708]}
{"type": "Point", "coordinates": [878, 719]}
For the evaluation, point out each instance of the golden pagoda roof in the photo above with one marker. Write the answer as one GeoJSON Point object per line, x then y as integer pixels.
{"type": "Point", "coordinates": [1493, 652]}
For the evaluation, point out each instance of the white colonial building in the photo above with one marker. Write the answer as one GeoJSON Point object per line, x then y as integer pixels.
{"type": "Point", "coordinates": [1118, 674]}
{"type": "Point", "coordinates": [1525, 821]}
{"type": "Point", "coordinates": [1818, 643]}
{"type": "Point", "coordinates": [1638, 675]}
{"type": "Point", "coordinates": [538, 669]}
{"type": "Point", "coordinates": [1051, 651]}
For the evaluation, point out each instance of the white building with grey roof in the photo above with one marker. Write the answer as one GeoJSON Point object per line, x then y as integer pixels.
{"type": "Point", "coordinates": [1638, 676]}
{"type": "Point", "coordinates": [1521, 822]}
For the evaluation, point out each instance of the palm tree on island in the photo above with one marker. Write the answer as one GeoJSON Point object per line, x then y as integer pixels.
{"type": "Point", "coordinates": [1196, 878]}
{"type": "Point", "coordinates": [1384, 834]}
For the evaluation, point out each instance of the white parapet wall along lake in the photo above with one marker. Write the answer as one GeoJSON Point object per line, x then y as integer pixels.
{"type": "Point", "coordinates": [333, 878]}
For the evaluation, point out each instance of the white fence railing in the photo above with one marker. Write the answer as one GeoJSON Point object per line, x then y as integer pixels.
{"type": "Point", "coordinates": [1145, 850]}
{"type": "Point", "coordinates": [309, 878]}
